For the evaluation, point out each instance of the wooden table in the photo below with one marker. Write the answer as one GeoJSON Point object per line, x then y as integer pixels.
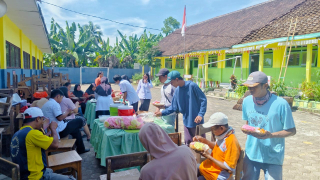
{"type": "Point", "coordinates": [64, 146]}
{"type": "Point", "coordinates": [70, 159]}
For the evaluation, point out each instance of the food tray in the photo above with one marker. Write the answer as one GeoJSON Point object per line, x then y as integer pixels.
{"type": "Point", "coordinates": [253, 133]}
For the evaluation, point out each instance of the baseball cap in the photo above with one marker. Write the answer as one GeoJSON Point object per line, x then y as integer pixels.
{"type": "Point", "coordinates": [217, 118]}
{"type": "Point", "coordinates": [172, 75]}
{"type": "Point", "coordinates": [163, 72]}
{"type": "Point", "coordinates": [33, 112]}
{"type": "Point", "coordinates": [256, 78]}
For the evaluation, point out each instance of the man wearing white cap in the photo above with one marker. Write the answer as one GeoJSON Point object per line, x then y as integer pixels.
{"type": "Point", "coordinates": [273, 114]}
{"type": "Point", "coordinates": [225, 153]}
{"type": "Point", "coordinates": [29, 144]}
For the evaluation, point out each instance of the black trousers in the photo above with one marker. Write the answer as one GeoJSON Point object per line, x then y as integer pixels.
{"type": "Point", "coordinates": [73, 128]}
{"type": "Point", "coordinates": [135, 106]}
{"type": "Point", "coordinates": [83, 107]}
{"type": "Point", "coordinates": [144, 106]}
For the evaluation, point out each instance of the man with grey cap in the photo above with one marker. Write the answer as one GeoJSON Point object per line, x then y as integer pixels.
{"type": "Point", "coordinates": [266, 111]}
{"type": "Point", "coordinates": [222, 161]}
{"type": "Point", "coordinates": [167, 91]}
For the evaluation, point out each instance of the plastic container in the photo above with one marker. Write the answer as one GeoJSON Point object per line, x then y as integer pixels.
{"type": "Point", "coordinates": [102, 118]}
{"type": "Point", "coordinates": [126, 111]}
{"type": "Point", "coordinates": [114, 109]}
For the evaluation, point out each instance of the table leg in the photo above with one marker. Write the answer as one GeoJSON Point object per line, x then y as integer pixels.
{"type": "Point", "coordinates": [0, 144]}
{"type": "Point", "coordinates": [79, 172]}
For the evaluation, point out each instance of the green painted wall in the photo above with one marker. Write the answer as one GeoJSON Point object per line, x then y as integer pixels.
{"type": "Point", "coordinates": [181, 71]}
{"type": "Point", "coordinates": [294, 76]}
{"type": "Point", "coordinates": [214, 74]}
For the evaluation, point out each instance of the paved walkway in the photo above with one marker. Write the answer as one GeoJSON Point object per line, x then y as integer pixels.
{"type": "Point", "coordinates": [302, 153]}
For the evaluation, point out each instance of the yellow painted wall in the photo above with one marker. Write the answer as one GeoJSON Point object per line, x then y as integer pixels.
{"type": "Point", "coordinates": [222, 56]}
{"type": "Point", "coordinates": [261, 59]}
{"type": "Point", "coordinates": [278, 57]}
{"type": "Point", "coordinates": [174, 61]}
{"type": "Point", "coordinates": [187, 65]}
{"type": "Point", "coordinates": [245, 59]}
{"type": "Point", "coordinates": [11, 33]}
{"type": "Point", "coordinates": [309, 62]}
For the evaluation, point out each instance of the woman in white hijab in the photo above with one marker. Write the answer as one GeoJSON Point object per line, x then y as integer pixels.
{"type": "Point", "coordinates": [171, 161]}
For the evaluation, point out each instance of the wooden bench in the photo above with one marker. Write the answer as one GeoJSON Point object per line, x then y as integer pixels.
{"type": "Point", "coordinates": [126, 161]}
{"type": "Point", "coordinates": [70, 159]}
{"type": "Point", "coordinates": [65, 145]}
{"type": "Point", "coordinates": [9, 169]}
{"type": "Point", "coordinates": [176, 138]}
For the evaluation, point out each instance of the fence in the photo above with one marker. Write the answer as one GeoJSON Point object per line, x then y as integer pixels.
{"type": "Point", "coordinates": [88, 75]}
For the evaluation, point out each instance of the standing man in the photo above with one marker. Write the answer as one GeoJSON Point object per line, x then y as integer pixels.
{"type": "Point", "coordinates": [189, 100]}
{"type": "Point", "coordinates": [29, 144]}
{"type": "Point", "coordinates": [128, 92]}
{"type": "Point", "coordinates": [272, 113]}
{"type": "Point", "coordinates": [167, 91]}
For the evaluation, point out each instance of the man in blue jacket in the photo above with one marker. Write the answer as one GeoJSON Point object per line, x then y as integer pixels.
{"type": "Point", "coordinates": [189, 100]}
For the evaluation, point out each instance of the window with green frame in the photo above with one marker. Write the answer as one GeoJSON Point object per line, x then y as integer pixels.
{"type": "Point", "coordinates": [298, 57]}
{"type": "Point", "coordinates": [179, 63]}
{"type": "Point", "coordinates": [195, 62]}
{"type": "Point", "coordinates": [168, 63]}
{"type": "Point", "coordinates": [157, 63]}
{"type": "Point", "coordinates": [213, 58]}
{"type": "Point", "coordinates": [230, 63]}
{"type": "Point", "coordinates": [268, 59]}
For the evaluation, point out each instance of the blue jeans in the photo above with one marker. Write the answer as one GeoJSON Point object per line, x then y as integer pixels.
{"type": "Point", "coordinates": [251, 170]}
{"type": "Point", "coordinates": [50, 175]}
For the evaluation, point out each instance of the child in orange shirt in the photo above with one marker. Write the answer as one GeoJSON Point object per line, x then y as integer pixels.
{"type": "Point", "coordinates": [225, 153]}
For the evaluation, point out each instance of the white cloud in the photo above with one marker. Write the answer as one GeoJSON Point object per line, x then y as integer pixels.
{"type": "Point", "coordinates": [145, 1]}
{"type": "Point", "coordinates": [108, 28]}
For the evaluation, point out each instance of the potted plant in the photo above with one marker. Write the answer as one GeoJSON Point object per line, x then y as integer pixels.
{"type": "Point", "coordinates": [280, 88]}
{"type": "Point", "coordinates": [233, 81]}
{"type": "Point", "coordinates": [290, 93]}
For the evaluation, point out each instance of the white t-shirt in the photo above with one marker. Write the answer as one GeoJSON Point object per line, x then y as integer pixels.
{"type": "Point", "coordinates": [103, 102]}
{"type": "Point", "coordinates": [52, 110]}
{"type": "Point", "coordinates": [132, 95]}
{"type": "Point", "coordinates": [169, 91]}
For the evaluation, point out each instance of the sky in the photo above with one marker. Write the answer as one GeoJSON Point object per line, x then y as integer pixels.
{"type": "Point", "coordinates": [144, 13]}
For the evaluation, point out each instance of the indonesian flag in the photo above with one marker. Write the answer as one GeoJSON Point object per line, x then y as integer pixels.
{"type": "Point", "coordinates": [184, 23]}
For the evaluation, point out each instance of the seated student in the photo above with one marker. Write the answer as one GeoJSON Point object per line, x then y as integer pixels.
{"type": "Point", "coordinates": [171, 161]}
{"type": "Point", "coordinates": [80, 95]}
{"type": "Point", "coordinates": [128, 92]}
{"type": "Point", "coordinates": [225, 150]}
{"type": "Point", "coordinates": [52, 110]}
{"type": "Point", "coordinates": [68, 85]}
{"type": "Point", "coordinates": [89, 94]}
{"type": "Point", "coordinates": [66, 103]}
{"type": "Point", "coordinates": [103, 96]}
{"type": "Point", "coordinates": [29, 144]}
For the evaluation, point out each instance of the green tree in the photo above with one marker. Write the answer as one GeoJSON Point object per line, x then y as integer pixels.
{"type": "Point", "coordinates": [170, 25]}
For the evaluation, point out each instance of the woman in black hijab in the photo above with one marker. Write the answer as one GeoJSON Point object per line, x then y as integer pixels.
{"type": "Point", "coordinates": [89, 94]}
{"type": "Point", "coordinates": [104, 99]}
{"type": "Point", "coordinates": [79, 94]}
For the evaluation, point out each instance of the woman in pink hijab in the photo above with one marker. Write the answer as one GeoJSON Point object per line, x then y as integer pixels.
{"type": "Point", "coordinates": [171, 161]}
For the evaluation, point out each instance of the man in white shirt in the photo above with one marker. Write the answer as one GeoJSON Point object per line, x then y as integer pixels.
{"type": "Point", "coordinates": [128, 92]}
{"type": "Point", "coordinates": [52, 110]}
{"type": "Point", "coordinates": [167, 91]}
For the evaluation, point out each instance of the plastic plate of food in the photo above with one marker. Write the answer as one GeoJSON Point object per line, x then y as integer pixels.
{"type": "Point", "coordinates": [158, 104]}
{"type": "Point", "coordinates": [254, 131]}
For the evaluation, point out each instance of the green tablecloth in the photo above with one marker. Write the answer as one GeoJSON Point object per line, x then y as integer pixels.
{"type": "Point", "coordinates": [90, 113]}
{"type": "Point", "coordinates": [111, 142]}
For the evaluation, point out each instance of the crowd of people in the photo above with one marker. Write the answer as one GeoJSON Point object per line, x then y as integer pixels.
{"type": "Point", "coordinates": [261, 109]}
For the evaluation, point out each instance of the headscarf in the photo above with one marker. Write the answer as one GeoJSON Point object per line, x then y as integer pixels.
{"type": "Point", "coordinates": [76, 92]}
{"type": "Point", "coordinates": [156, 141]}
{"type": "Point", "coordinates": [89, 91]}
{"type": "Point", "coordinates": [176, 162]}
{"type": "Point", "coordinates": [104, 89]}
{"type": "Point", "coordinates": [64, 89]}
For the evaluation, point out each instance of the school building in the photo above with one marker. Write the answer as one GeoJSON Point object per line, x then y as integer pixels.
{"type": "Point", "coordinates": [257, 34]}
{"type": "Point", "coordinates": [23, 39]}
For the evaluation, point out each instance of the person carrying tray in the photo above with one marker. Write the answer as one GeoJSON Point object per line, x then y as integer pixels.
{"type": "Point", "coordinates": [167, 91]}
{"type": "Point", "coordinates": [189, 100]}
{"type": "Point", "coordinates": [272, 113]}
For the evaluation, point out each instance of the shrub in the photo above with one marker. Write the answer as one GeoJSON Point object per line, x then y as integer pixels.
{"type": "Point", "coordinates": [310, 91]}
{"type": "Point", "coordinates": [137, 76]}
{"type": "Point", "coordinates": [278, 87]}
{"type": "Point", "coordinates": [240, 90]}
{"type": "Point", "coordinates": [156, 82]}
{"type": "Point", "coordinates": [291, 92]}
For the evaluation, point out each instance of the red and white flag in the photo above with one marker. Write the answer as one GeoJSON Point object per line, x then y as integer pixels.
{"type": "Point", "coordinates": [184, 22]}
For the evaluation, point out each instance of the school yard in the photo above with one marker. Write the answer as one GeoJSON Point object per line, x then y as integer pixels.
{"type": "Point", "coordinates": [302, 153]}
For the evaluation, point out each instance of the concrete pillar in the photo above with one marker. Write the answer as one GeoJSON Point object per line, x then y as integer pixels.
{"type": "Point", "coordinates": [163, 62]}
{"type": "Point", "coordinates": [309, 62]}
{"type": "Point", "coordinates": [187, 65]}
{"type": "Point", "coordinates": [174, 61]}
{"type": "Point", "coordinates": [206, 60]}
{"type": "Point", "coordinates": [261, 59]}
{"type": "Point", "coordinates": [21, 51]}
{"type": "Point", "coordinates": [31, 63]}
{"type": "Point", "coordinates": [3, 62]}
